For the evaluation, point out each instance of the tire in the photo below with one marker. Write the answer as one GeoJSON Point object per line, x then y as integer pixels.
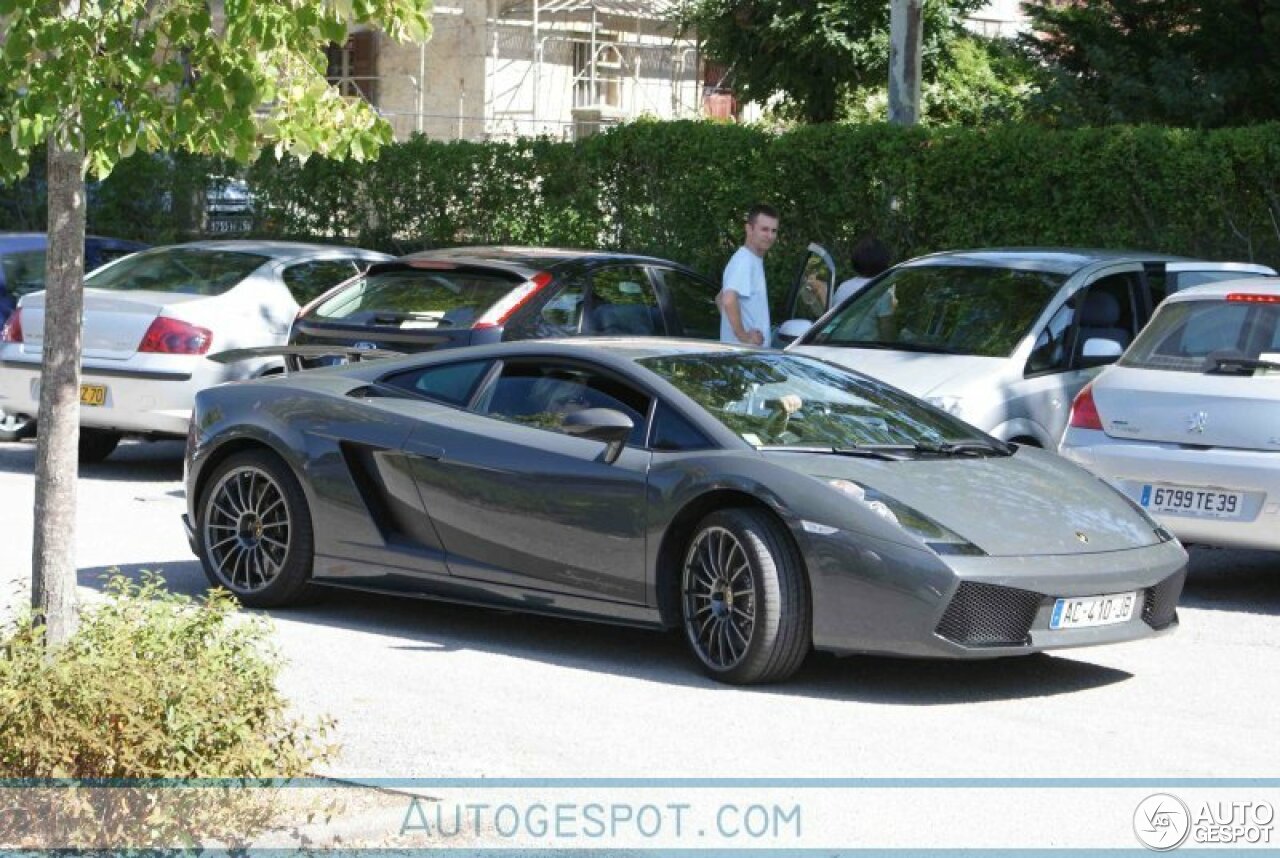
{"type": "Point", "coordinates": [15, 427]}
{"type": "Point", "coordinates": [97, 444]}
{"type": "Point", "coordinates": [743, 636]}
{"type": "Point", "coordinates": [253, 531]}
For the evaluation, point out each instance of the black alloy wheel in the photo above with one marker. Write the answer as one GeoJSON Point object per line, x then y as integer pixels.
{"type": "Point", "coordinates": [745, 598]}
{"type": "Point", "coordinates": [254, 530]}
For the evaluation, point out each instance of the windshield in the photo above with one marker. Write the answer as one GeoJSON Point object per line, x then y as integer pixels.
{"type": "Point", "coordinates": [414, 298]}
{"type": "Point", "coordinates": [1210, 336]}
{"type": "Point", "coordinates": [186, 270]}
{"type": "Point", "coordinates": [945, 309]}
{"type": "Point", "coordinates": [790, 400]}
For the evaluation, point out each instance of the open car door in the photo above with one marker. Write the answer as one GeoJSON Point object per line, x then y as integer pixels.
{"type": "Point", "coordinates": [810, 296]}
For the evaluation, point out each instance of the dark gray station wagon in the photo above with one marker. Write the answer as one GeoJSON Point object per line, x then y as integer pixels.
{"type": "Point", "coordinates": [477, 295]}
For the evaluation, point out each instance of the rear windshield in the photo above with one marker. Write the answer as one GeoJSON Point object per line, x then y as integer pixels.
{"type": "Point", "coordinates": [944, 309]}
{"type": "Point", "coordinates": [413, 298]}
{"type": "Point", "coordinates": [187, 270]}
{"type": "Point", "coordinates": [1233, 337]}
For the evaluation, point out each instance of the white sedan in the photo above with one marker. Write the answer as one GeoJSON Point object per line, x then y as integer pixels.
{"type": "Point", "coordinates": [152, 319]}
{"type": "Point", "coordinates": [1187, 424]}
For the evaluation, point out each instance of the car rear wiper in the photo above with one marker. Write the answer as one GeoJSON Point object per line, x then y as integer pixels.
{"type": "Point", "coordinates": [385, 318]}
{"type": "Point", "coordinates": [1236, 364]}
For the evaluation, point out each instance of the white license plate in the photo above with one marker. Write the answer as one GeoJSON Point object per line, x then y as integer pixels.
{"type": "Point", "coordinates": [1093, 611]}
{"type": "Point", "coordinates": [1189, 500]}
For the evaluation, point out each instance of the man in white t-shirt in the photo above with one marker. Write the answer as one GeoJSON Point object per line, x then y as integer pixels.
{"type": "Point", "coordinates": [744, 296]}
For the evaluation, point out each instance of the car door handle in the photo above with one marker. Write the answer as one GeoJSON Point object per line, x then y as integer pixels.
{"type": "Point", "coordinates": [423, 449]}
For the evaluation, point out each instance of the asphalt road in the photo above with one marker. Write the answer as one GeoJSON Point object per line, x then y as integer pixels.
{"type": "Point", "coordinates": [428, 690]}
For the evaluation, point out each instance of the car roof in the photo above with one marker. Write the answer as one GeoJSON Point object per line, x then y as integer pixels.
{"type": "Point", "coordinates": [527, 259]}
{"type": "Point", "coordinates": [1055, 260]}
{"type": "Point", "coordinates": [275, 249]}
{"type": "Point", "coordinates": [1269, 286]}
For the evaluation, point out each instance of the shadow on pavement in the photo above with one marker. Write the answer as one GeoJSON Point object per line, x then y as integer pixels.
{"type": "Point", "coordinates": [1236, 580]}
{"type": "Point", "coordinates": [133, 461]}
{"type": "Point", "coordinates": [436, 627]}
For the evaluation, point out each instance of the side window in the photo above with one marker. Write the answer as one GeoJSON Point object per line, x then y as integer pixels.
{"type": "Point", "coordinates": [1052, 351]}
{"type": "Point", "coordinates": [24, 272]}
{"type": "Point", "coordinates": [560, 316]}
{"type": "Point", "coordinates": [1108, 311]}
{"type": "Point", "coordinates": [694, 300]}
{"type": "Point", "coordinates": [541, 395]}
{"type": "Point", "coordinates": [623, 303]}
{"type": "Point", "coordinates": [452, 384]}
{"type": "Point", "coordinates": [812, 291]}
{"type": "Point", "coordinates": [673, 432]}
{"type": "Point", "coordinates": [308, 280]}
{"type": "Point", "coordinates": [1160, 284]}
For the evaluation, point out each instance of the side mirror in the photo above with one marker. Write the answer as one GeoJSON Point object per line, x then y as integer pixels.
{"type": "Point", "coordinates": [601, 424]}
{"type": "Point", "coordinates": [792, 330]}
{"type": "Point", "coordinates": [1099, 350]}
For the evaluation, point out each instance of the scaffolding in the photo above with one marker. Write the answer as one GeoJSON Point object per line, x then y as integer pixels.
{"type": "Point", "coordinates": [569, 67]}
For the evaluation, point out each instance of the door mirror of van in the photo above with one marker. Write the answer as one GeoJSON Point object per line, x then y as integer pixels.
{"type": "Point", "coordinates": [1100, 350]}
{"type": "Point", "coordinates": [792, 330]}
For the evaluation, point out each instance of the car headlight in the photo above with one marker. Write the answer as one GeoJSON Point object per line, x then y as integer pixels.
{"type": "Point", "coordinates": [936, 537]}
{"type": "Point", "coordinates": [949, 404]}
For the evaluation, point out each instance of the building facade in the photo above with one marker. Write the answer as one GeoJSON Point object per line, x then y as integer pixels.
{"type": "Point", "coordinates": [499, 69]}
{"type": "Point", "coordinates": [508, 68]}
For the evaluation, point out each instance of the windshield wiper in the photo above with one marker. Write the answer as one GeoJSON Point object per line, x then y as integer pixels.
{"type": "Point", "coordinates": [965, 448]}
{"type": "Point", "coordinates": [889, 346]}
{"type": "Point", "coordinates": [1229, 364]}
{"type": "Point", "coordinates": [887, 452]}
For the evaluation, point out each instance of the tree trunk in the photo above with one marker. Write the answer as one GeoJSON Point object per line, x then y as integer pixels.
{"type": "Point", "coordinates": [53, 561]}
{"type": "Point", "coordinates": [905, 46]}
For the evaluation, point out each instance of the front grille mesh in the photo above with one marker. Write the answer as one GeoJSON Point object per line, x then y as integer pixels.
{"type": "Point", "coordinates": [1159, 607]}
{"type": "Point", "coordinates": [989, 615]}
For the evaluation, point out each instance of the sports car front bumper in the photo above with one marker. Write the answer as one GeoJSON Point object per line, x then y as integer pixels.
{"type": "Point", "coordinates": [899, 600]}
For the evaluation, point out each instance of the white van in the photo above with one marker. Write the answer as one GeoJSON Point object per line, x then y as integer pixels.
{"type": "Point", "coordinates": [1002, 338]}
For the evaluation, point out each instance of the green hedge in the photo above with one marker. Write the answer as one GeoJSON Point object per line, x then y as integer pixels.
{"type": "Point", "coordinates": [678, 190]}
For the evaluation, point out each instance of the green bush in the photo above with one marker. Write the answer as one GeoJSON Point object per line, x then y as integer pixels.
{"type": "Point", "coordinates": [153, 685]}
{"type": "Point", "coordinates": [678, 189]}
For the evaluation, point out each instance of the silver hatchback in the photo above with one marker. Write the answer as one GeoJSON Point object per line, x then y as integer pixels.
{"type": "Point", "coordinates": [1187, 424]}
{"type": "Point", "coordinates": [1002, 338]}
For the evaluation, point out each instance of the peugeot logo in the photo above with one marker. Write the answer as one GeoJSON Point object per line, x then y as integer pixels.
{"type": "Point", "coordinates": [1197, 421]}
{"type": "Point", "coordinates": [1082, 536]}
{"type": "Point", "coordinates": [365, 346]}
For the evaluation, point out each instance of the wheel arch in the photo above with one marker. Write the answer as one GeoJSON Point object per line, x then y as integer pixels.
{"type": "Point", "coordinates": [226, 450]}
{"type": "Point", "coordinates": [676, 538]}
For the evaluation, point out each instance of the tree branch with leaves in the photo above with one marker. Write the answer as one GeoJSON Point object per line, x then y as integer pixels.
{"type": "Point", "coordinates": [96, 80]}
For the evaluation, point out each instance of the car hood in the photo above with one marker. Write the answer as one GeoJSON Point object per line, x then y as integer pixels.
{"type": "Point", "coordinates": [918, 374]}
{"type": "Point", "coordinates": [1030, 503]}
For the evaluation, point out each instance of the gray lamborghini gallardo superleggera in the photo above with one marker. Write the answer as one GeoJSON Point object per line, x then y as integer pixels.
{"type": "Point", "coordinates": [763, 503]}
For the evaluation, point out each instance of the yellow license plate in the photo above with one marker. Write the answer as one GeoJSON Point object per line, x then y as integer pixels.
{"type": "Point", "coordinates": [93, 394]}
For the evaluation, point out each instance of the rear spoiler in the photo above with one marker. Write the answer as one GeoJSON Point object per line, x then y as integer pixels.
{"type": "Point", "coordinates": [293, 354]}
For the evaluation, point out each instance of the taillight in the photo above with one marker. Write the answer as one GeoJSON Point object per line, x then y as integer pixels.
{"type": "Point", "coordinates": [502, 311]}
{"type": "Point", "coordinates": [12, 330]}
{"type": "Point", "coordinates": [1084, 413]}
{"type": "Point", "coordinates": [175, 337]}
{"type": "Point", "coordinates": [1252, 298]}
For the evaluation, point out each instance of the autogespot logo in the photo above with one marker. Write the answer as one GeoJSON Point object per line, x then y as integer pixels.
{"type": "Point", "coordinates": [1162, 822]}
